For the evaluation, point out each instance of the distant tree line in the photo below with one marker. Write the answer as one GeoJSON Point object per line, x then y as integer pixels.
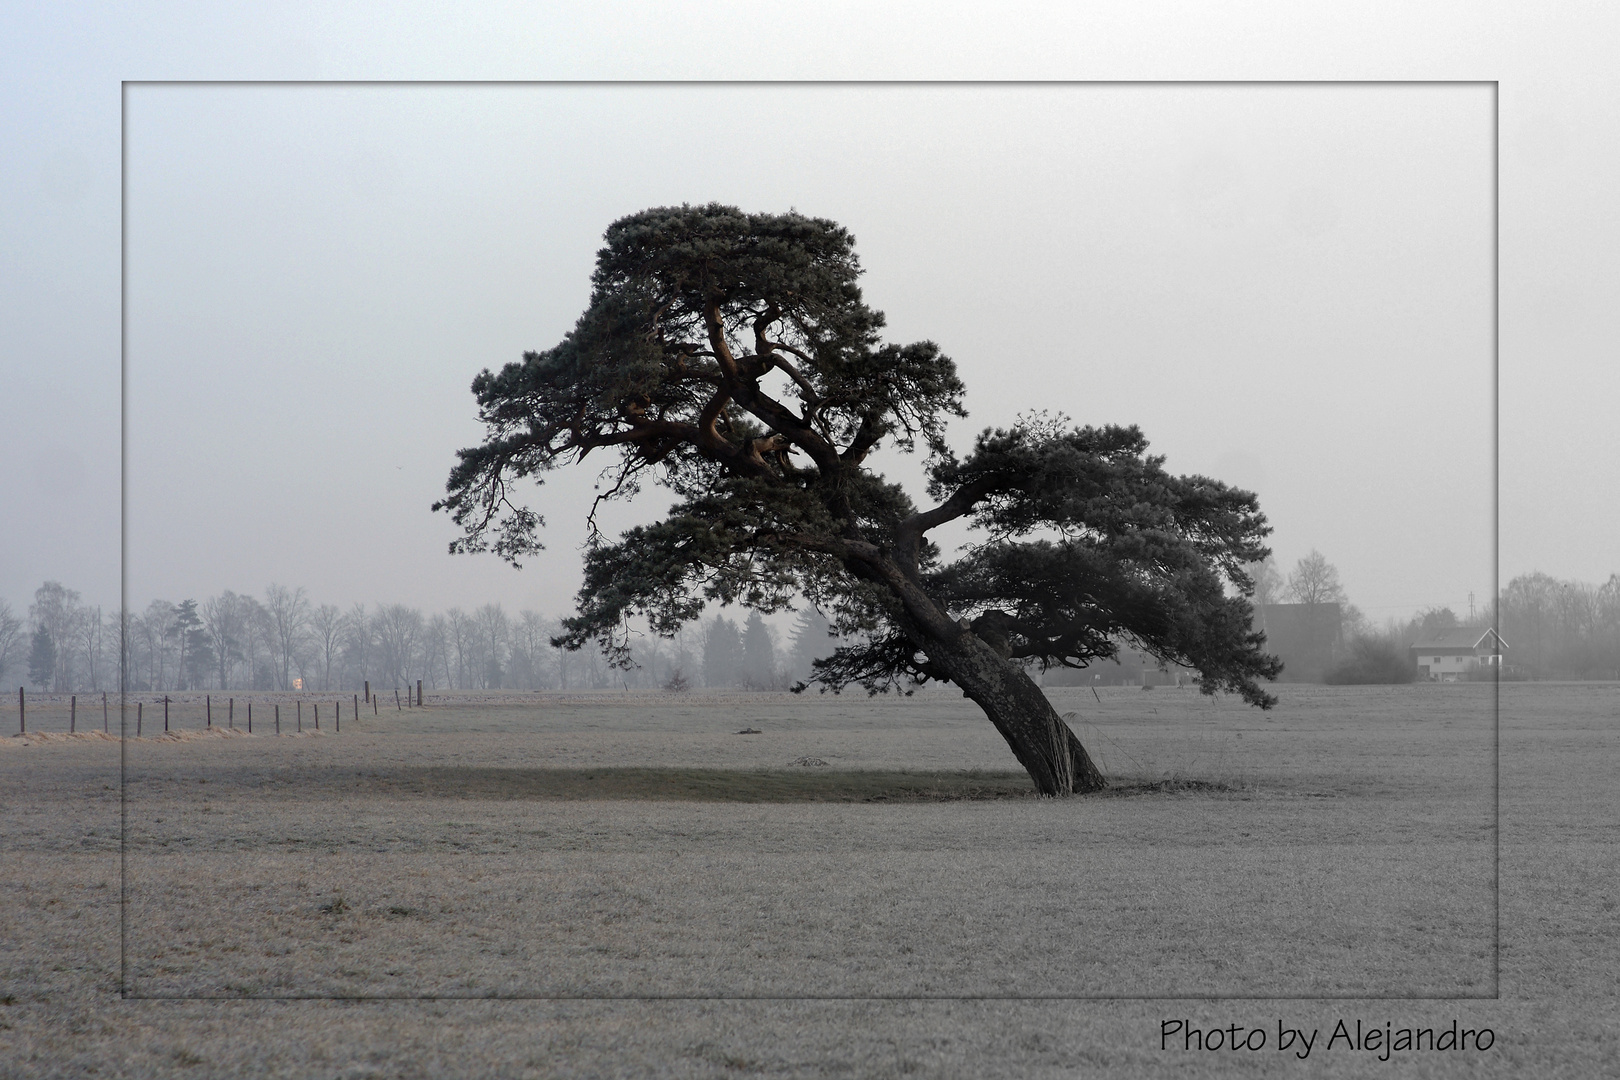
{"type": "Point", "coordinates": [234, 641]}
{"type": "Point", "coordinates": [1553, 630]}
{"type": "Point", "coordinates": [1560, 629]}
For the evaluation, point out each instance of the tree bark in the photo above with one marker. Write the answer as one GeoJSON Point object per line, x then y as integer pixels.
{"type": "Point", "coordinates": [1039, 738]}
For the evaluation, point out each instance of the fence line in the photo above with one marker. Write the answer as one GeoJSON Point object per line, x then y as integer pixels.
{"type": "Point", "coordinates": [41, 713]}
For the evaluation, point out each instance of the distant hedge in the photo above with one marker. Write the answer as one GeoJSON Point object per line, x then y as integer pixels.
{"type": "Point", "coordinates": [1372, 660]}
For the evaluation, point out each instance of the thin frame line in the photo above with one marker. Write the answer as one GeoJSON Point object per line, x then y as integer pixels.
{"type": "Point", "coordinates": [125, 990]}
{"type": "Point", "coordinates": [1496, 521]}
{"type": "Point", "coordinates": [123, 540]}
{"type": "Point", "coordinates": [810, 82]}
{"type": "Point", "coordinates": [798, 997]}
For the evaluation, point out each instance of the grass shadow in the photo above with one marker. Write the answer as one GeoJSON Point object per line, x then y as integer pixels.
{"type": "Point", "coordinates": [806, 784]}
{"type": "Point", "coordinates": [705, 785]}
{"type": "Point", "coordinates": [1127, 786]}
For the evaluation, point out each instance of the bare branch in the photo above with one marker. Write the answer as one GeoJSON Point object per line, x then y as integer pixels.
{"type": "Point", "coordinates": [811, 398]}
{"type": "Point", "coordinates": [909, 533]}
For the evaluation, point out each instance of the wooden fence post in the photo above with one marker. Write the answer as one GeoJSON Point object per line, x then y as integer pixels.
{"type": "Point", "coordinates": [368, 689]}
{"type": "Point", "coordinates": [22, 713]}
{"type": "Point", "coordinates": [373, 706]}
{"type": "Point", "coordinates": [278, 719]}
{"type": "Point", "coordinates": [357, 708]}
{"type": "Point", "coordinates": [396, 700]}
{"type": "Point", "coordinates": [337, 722]}
{"type": "Point", "coordinates": [105, 729]}
{"type": "Point", "coordinates": [250, 718]}
{"type": "Point", "coordinates": [165, 712]}
{"type": "Point", "coordinates": [208, 704]}
{"type": "Point", "coordinates": [300, 716]}
{"type": "Point", "coordinates": [419, 693]}
{"type": "Point", "coordinates": [317, 716]}
{"type": "Point", "coordinates": [139, 705]}
{"type": "Point", "coordinates": [73, 714]}
{"type": "Point", "coordinates": [230, 713]}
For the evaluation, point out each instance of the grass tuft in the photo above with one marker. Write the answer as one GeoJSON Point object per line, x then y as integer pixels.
{"type": "Point", "coordinates": [1170, 784]}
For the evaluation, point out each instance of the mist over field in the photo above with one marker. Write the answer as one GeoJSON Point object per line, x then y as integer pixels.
{"type": "Point", "coordinates": [1555, 629]}
{"type": "Point", "coordinates": [315, 274]}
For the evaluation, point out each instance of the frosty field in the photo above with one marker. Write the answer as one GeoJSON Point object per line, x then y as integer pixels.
{"type": "Point", "coordinates": [612, 884]}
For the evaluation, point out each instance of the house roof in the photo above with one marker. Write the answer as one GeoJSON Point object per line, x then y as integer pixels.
{"type": "Point", "coordinates": [1462, 637]}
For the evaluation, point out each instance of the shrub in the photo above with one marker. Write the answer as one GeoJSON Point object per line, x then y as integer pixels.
{"type": "Point", "coordinates": [1372, 660]}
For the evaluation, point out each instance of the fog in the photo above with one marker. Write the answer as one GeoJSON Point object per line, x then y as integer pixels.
{"type": "Point", "coordinates": [1289, 287]}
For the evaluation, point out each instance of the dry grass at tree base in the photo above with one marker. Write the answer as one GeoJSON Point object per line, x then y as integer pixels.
{"type": "Point", "coordinates": [603, 846]}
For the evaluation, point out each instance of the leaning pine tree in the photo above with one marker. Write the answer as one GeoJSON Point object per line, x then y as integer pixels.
{"type": "Point", "coordinates": [729, 357]}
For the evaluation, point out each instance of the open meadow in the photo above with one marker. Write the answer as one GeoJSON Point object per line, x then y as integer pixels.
{"type": "Point", "coordinates": [722, 884]}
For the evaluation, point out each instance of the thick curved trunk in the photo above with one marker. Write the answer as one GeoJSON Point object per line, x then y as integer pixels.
{"type": "Point", "coordinates": [1040, 740]}
{"type": "Point", "coordinates": [1038, 736]}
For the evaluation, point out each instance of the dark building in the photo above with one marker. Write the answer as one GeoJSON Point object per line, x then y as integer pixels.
{"type": "Point", "coordinates": [1306, 637]}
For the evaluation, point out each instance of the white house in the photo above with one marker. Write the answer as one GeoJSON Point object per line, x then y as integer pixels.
{"type": "Point", "coordinates": [1447, 655]}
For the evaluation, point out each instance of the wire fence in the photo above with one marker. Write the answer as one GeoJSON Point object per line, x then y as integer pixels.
{"type": "Point", "coordinates": [148, 715]}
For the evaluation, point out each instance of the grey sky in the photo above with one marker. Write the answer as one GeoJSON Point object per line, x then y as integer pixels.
{"type": "Point", "coordinates": [1287, 287]}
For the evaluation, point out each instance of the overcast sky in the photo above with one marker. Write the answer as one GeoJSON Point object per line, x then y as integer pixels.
{"type": "Point", "coordinates": [1288, 287]}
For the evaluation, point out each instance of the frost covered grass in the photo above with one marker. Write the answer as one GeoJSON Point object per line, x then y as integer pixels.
{"type": "Point", "coordinates": [587, 849]}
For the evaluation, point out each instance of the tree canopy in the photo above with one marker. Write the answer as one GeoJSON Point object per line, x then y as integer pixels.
{"type": "Point", "coordinates": [730, 358]}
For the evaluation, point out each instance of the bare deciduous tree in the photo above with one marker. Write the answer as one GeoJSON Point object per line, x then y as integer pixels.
{"type": "Point", "coordinates": [357, 645]}
{"type": "Point", "coordinates": [1269, 586]}
{"type": "Point", "coordinates": [530, 642]}
{"type": "Point", "coordinates": [92, 645]}
{"type": "Point", "coordinates": [1560, 629]}
{"type": "Point", "coordinates": [436, 650]}
{"type": "Point", "coordinates": [493, 629]}
{"type": "Point", "coordinates": [397, 630]}
{"type": "Point", "coordinates": [1314, 580]}
{"type": "Point", "coordinates": [153, 634]}
{"type": "Point", "coordinates": [56, 609]}
{"type": "Point", "coordinates": [461, 643]}
{"type": "Point", "coordinates": [288, 610]}
{"type": "Point", "coordinates": [326, 634]}
{"type": "Point", "coordinates": [223, 617]}
{"type": "Point", "coordinates": [12, 639]}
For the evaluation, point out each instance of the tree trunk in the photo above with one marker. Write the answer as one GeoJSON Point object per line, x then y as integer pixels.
{"type": "Point", "coordinates": [1037, 735]}
{"type": "Point", "coordinates": [1040, 740]}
